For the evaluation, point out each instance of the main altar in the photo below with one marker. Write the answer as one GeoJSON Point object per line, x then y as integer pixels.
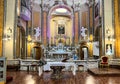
{"type": "Point", "coordinates": [58, 53]}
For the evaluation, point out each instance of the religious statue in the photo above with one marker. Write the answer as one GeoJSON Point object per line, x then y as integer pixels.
{"type": "Point", "coordinates": [37, 32]}
{"type": "Point", "coordinates": [83, 32]}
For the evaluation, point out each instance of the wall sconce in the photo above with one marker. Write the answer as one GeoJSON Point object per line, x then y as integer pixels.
{"type": "Point", "coordinates": [91, 38]}
{"type": "Point", "coordinates": [8, 34]}
{"type": "Point", "coordinates": [108, 32]}
{"type": "Point", "coordinates": [29, 38]}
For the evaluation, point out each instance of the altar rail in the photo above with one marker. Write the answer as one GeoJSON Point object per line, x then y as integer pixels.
{"type": "Point", "coordinates": [27, 65]}
{"type": "Point", "coordinates": [87, 64]}
{"type": "Point", "coordinates": [114, 63]}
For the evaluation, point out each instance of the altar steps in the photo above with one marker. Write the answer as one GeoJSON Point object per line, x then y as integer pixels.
{"type": "Point", "coordinates": [24, 77]}
{"type": "Point", "coordinates": [105, 71]}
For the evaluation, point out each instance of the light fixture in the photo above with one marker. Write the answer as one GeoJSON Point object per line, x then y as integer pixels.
{"type": "Point", "coordinates": [61, 10]}
{"type": "Point", "coordinates": [108, 32]}
{"type": "Point", "coordinates": [8, 34]}
{"type": "Point", "coordinates": [29, 38]}
{"type": "Point", "coordinates": [91, 38]}
{"type": "Point", "coordinates": [9, 30]}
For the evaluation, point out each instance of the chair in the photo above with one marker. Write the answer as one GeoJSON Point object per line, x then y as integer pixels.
{"type": "Point", "coordinates": [9, 78]}
{"type": "Point", "coordinates": [104, 62]}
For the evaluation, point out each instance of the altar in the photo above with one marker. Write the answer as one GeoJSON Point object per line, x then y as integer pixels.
{"type": "Point", "coordinates": [65, 64]}
{"type": "Point", "coordinates": [60, 54]}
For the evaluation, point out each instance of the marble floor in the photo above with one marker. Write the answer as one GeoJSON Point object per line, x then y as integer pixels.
{"type": "Point", "coordinates": [23, 77]}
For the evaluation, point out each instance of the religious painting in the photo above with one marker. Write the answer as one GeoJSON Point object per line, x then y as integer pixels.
{"type": "Point", "coordinates": [61, 29]}
{"type": "Point", "coordinates": [108, 49]}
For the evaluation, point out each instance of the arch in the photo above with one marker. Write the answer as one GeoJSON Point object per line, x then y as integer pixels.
{"type": "Point", "coordinates": [60, 6]}
{"type": "Point", "coordinates": [49, 17]}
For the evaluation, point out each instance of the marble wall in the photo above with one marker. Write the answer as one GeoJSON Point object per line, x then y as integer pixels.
{"type": "Point", "coordinates": [1, 23]}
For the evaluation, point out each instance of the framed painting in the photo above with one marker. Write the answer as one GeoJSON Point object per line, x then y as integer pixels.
{"type": "Point", "coordinates": [108, 49]}
{"type": "Point", "coordinates": [61, 29]}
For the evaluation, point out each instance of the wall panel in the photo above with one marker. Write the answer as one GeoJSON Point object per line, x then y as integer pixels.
{"type": "Point", "coordinates": [76, 27]}
{"type": "Point", "coordinates": [117, 28]}
{"type": "Point", "coordinates": [1, 23]}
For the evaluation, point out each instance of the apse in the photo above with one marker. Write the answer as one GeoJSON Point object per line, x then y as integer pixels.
{"type": "Point", "coordinates": [60, 26]}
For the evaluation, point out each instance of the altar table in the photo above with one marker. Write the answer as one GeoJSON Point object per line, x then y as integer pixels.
{"type": "Point", "coordinates": [65, 64]}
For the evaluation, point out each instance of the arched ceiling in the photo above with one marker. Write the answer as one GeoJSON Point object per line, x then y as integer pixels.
{"type": "Point", "coordinates": [61, 11]}
{"type": "Point", "coordinates": [47, 4]}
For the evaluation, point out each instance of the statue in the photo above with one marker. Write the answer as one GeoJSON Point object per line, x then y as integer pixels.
{"type": "Point", "coordinates": [83, 32]}
{"type": "Point", "coordinates": [37, 32]}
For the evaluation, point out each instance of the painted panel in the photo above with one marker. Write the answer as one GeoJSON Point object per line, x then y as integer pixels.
{"type": "Point", "coordinates": [117, 28]}
{"type": "Point", "coordinates": [44, 28]}
{"type": "Point", "coordinates": [76, 27]}
{"type": "Point", "coordinates": [109, 30]}
{"type": "Point", "coordinates": [84, 26]}
{"type": "Point", "coordinates": [1, 23]}
{"type": "Point", "coordinates": [36, 19]}
{"type": "Point", "coordinates": [10, 18]}
{"type": "Point", "coordinates": [91, 17]}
